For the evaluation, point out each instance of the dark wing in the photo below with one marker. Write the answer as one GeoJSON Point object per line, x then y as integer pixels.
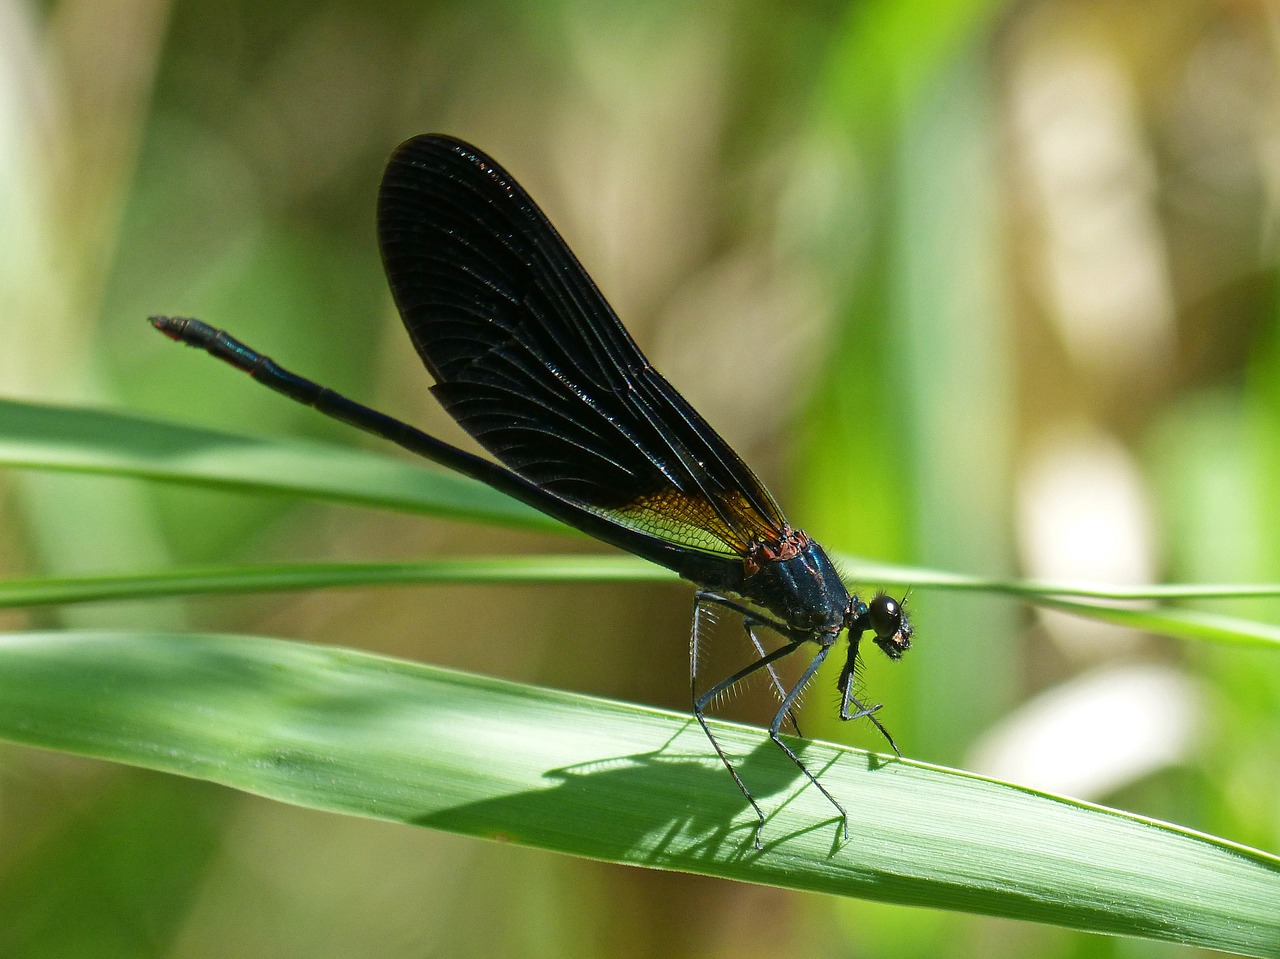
{"type": "Point", "coordinates": [531, 360]}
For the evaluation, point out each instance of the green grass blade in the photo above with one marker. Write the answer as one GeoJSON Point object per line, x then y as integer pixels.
{"type": "Point", "coordinates": [1177, 623]}
{"type": "Point", "coordinates": [299, 576]}
{"type": "Point", "coordinates": [364, 735]}
{"type": "Point", "coordinates": [37, 436]}
{"type": "Point", "coordinates": [892, 574]}
{"type": "Point", "coordinates": [79, 440]}
{"type": "Point", "coordinates": [1097, 601]}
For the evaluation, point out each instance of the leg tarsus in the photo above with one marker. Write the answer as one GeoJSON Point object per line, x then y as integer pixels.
{"type": "Point", "coordinates": [785, 709]}
{"type": "Point", "coordinates": [700, 702]}
{"type": "Point", "coordinates": [847, 698]}
{"type": "Point", "coordinates": [776, 725]}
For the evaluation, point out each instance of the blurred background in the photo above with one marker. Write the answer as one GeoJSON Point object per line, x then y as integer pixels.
{"type": "Point", "coordinates": [981, 286]}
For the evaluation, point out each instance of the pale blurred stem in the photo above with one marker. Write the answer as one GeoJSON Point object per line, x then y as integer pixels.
{"type": "Point", "coordinates": [85, 101]}
{"type": "Point", "coordinates": [106, 56]}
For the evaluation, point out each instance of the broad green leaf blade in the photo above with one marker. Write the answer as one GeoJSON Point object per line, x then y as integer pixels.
{"type": "Point", "coordinates": [78, 440]}
{"type": "Point", "coordinates": [360, 734]}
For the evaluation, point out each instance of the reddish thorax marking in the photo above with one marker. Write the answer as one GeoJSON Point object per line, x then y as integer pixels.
{"type": "Point", "coordinates": [790, 544]}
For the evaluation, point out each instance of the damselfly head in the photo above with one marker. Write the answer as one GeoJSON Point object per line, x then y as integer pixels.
{"type": "Point", "coordinates": [888, 620]}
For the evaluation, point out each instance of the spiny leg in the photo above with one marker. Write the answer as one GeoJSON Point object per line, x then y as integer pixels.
{"type": "Point", "coordinates": [700, 703]}
{"type": "Point", "coordinates": [781, 690]}
{"type": "Point", "coordinates": [779, 627]}
{"type": "Point", "coordinates": [847, 698]}
{"type": "Point", "coordinates": [751, 619]}
{"type": "Point", "coordinates": [776, 725]}
{"type": "Point", "coordinates": [698, 707]}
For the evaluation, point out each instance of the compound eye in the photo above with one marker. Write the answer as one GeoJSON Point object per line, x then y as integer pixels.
{"type": "Point", "coordinates": [886, 615]}
{"type": "Point", "coordinates": [889, 622]}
